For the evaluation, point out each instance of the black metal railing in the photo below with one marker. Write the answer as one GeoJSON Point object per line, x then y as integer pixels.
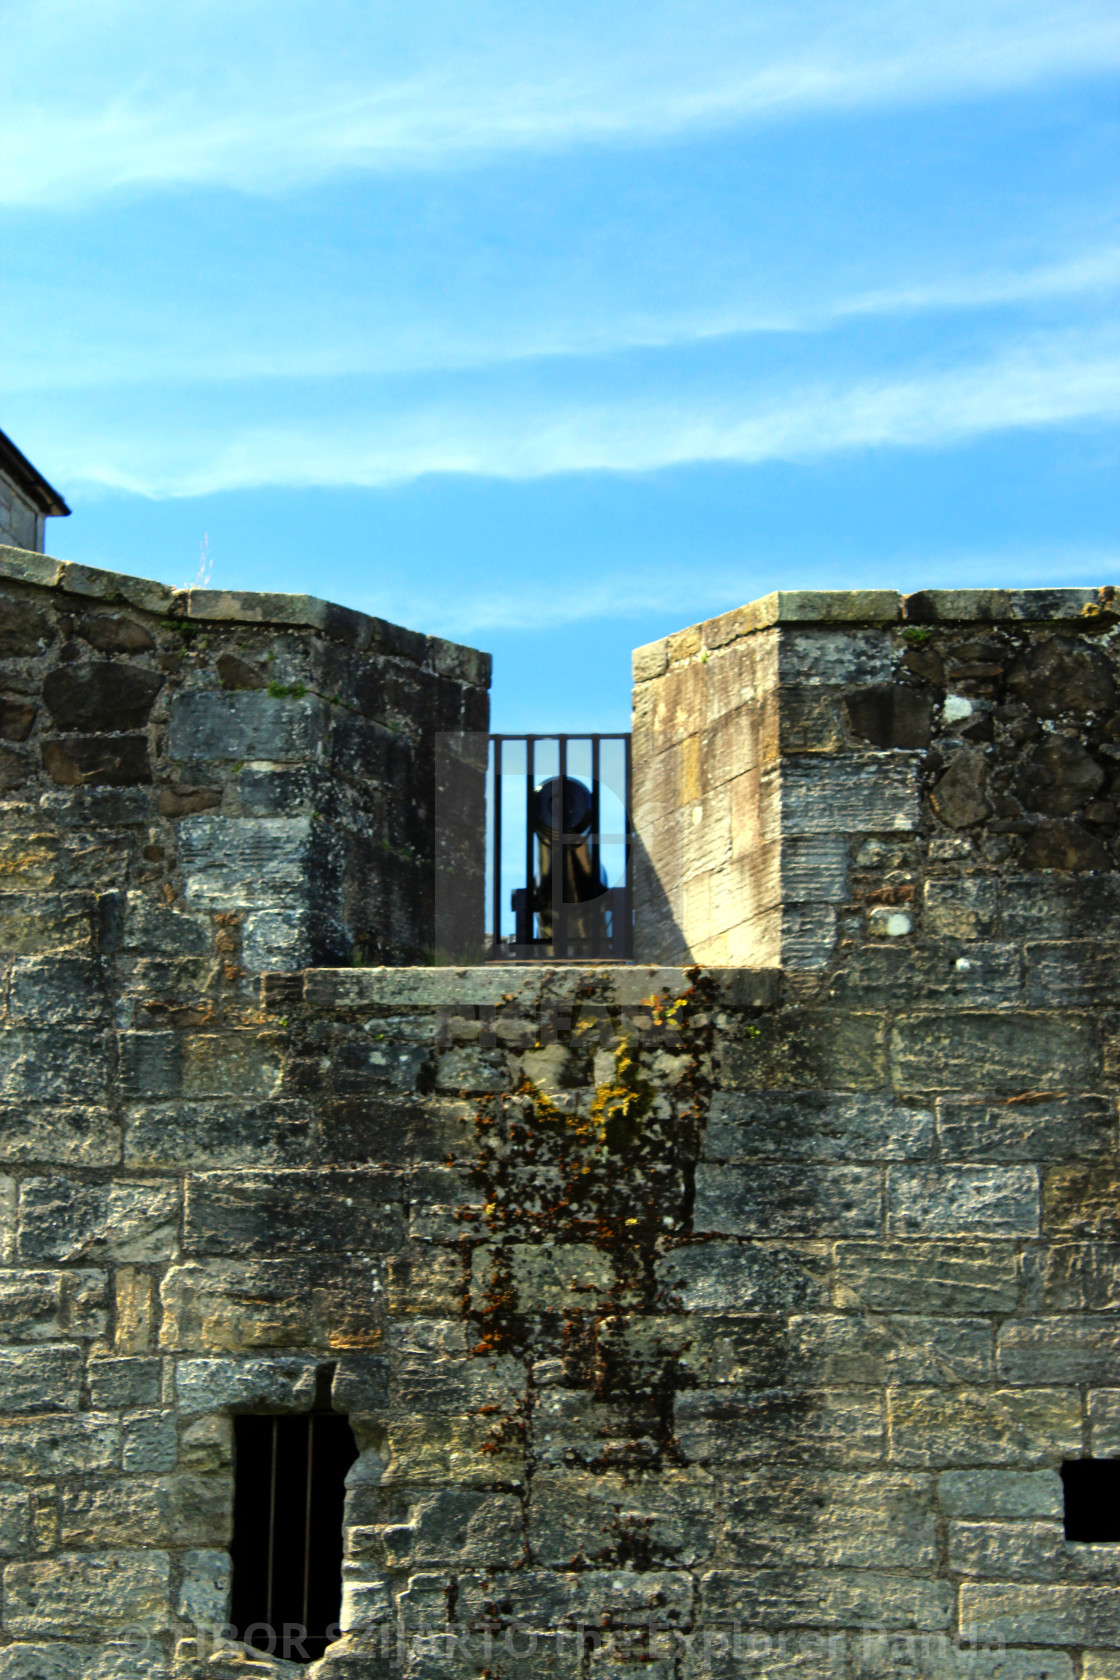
{"type": "Point", "coordinates": [559, 848]}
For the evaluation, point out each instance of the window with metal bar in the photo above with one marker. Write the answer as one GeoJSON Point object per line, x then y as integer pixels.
{"type": "Point", "coordinates": [559, 845]}
{"type": "Point", "coordinates": [289, 1494]}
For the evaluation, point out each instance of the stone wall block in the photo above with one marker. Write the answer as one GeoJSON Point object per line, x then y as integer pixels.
{"type": "Point", "coordinates": [786, 1517]}
{"type": "Point", "coordinates": [1064, 1349]}
{"type": "Point", "coordinates": [747, 1277]}
{"type": "Point", "coordinates": [786, 1201]}
{"type": "Point", "coordinates": [41, 1305]}
{"type": "Point", "coordinates": [1000, 1493]}
{"type": "Point", "coordinates": [215, 724]}
{"type": "Point", "coordinates": [1041, 1614]}
{"type": "Point", "coordinates": [1081, 1201]}
{"type": "Point", "coordinates": [987, 1201]}
{"type": "Point", "coordinates": [836, 1427]}
{"type": "Point", "coordinates": [56, 1065]}
{"type": "Point", "coordinates": [840, 1598]}
{"type": "Point", "coordinates": [86, 1592]}
{"type": "Point", "coordinates": [66, 1444]}
{"type": "Point", "coordinates": [40, 1379]}
{"type": "Point", "coordinates": [829, 1125]}
{"type": "Point", "coordinates": [916, 1276]}
{"type": "Point", "coordinates": [257, 1212]}
{"type": "Point", "coordinates": [129, 1220]}
{"type": "Point", "coordinates": [1014, 1426]}
{"type": "Point", "coordinates": [1011, 1052]}
{"type": "Point", "coordinates": [858, 1348]}
{"type": "Point", "coordinates": [1104, 1422]}
{"type": "Point", "coordinates": [74, 1136]}
{"type": "Point", "coordinates": [56, 991]}
{"type": "Point", "coordinates": [1071, 1277]}
{"type": "Point", "coordinates": [1040, 1130]}
{"type": "Point", "coordinates": [850, 795]}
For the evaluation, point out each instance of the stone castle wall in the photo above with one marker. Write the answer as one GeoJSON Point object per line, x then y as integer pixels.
{"type": "Point", "coordinates": [716, 1321]}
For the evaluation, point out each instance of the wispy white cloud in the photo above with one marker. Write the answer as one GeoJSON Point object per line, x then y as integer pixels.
{"type": "Point", "coordinates": [342, 343]}
{"type": "Point", "coordinates": [121, 94]}
{"type": "Point", "coordinates": [1051, 378]}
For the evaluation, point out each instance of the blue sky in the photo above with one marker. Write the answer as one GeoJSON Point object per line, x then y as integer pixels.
{"type": "Point", "coordinates": [553, 329]}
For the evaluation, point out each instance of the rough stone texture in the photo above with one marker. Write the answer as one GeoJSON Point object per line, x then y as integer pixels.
{"type": "Point", "coordinates": [267, 768]}
{"type": "Point", "coordinates": [709, 1322]}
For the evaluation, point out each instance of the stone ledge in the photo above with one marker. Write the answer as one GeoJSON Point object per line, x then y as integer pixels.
{"type": "Point", "coordinates": [872, 607]}
{"type": "Point", "coordinates": [489, 984]}
{"type": "Point", "coordinates": [245, 606]}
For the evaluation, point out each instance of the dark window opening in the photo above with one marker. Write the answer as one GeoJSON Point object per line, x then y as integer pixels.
{"type": "Point", "coordinates": [289, 1494]}
{"type": "Point", "coordinates": [1091, 1487]}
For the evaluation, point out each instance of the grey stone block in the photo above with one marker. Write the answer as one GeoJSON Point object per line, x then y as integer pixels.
{"type": "Point", "coordinates": [826, 1598]}
{"type": "Point", "coordinates": [57, 991]}
{"type": "Point", "coordinates": [59, 1065]}
{"type": "Point", "coordinates": [996, 1052]}
{"type": "Point", "coordinates": [259, 1213]}
{"type": "Point", "coordinates": [1041, 1614]}
{"type": "Point", "coordinates": [837, 1348]}
{"type": "Point", "coordinates": [151, 926]}
{"type": "Point", "coordinates": [219, 724]}
{"type": "Point", "coordinates": [1013, 1426]}
{"type": "Point", "coordinates": [1025, 1551]}
{"type": "Point", "coordinates": [828, 1125]}
{"type": "Point", "coordinates": [40, 1305]}
{"type": "Point", "coordinates": [149, 1443]}
{"type": "Point", "coordinates": [579, 1519]}
{"type": "Point", "coordinates": [1050, 906]}
{"type": "Point", "coordinates": [986, 1201]}
{"type": "Point", "coordinates": [538, 1598]}
{"type": "Point", "coordinates": [204, 1589]}
{"type": "Point", "coordinates": [218, 1134]}
{"type": "Point", "coordinates": [1040, 1130]}
{"type": "Point", "coordinates": [114, 1383]}
{"type": "Point", "coordinates": [40, 1379]}
{"type": "Point", "coordinates": [1071, 1277]}
{"type": "Point", "coordinates": [850, 795]}
{"type": "Point", "coordinates": [831, 1519]}
{"type": "Point", "coordinates": [86, 1593]}
{"type": "Point", "coordinates": [1000, 1493]}
{"type": "Point", "coordinates": [1070, 1349]}
{"type": "Point", "coordinates": [238, 863]}
{"type": "Point", "coordinates": [963, 907]}
{"type": "Point", "coordinates": [1071, 974]}
{"type": "Point", "coordinates": [761, 1200]}
{"type": "Point", "coordinates": [1104, 1422]}
{"type": "Point", "coordinates": [842, 1427]}
{"type": "Point", "coordinates": [15, 1519]}
{"type": "Point", "coordinates": [745, 1277]}
{"type": "Point", "coordinates": [74, 1136]}
{"type": "Point", "coordinates": [130, 1220]}
{"type": "Point", "coordinates": [814, 868]}
{"type": "Point", "coordinates": [69, 1444]}
{"type": "Point", "coordinates": [942, 973]}
{"type": "Point", "coordinates": [282, 1384]}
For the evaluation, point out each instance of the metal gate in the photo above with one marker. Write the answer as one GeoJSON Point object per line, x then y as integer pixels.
{"type": "Point", "coordinates": [559, 845]}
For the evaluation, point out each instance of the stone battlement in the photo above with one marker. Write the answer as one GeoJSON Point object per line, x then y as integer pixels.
{"type": "Point", "coordinates": [730, 1313]}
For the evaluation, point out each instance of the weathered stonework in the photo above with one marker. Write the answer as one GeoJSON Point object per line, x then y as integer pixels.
{"type": "Point", "coordinates": [692, 1321]}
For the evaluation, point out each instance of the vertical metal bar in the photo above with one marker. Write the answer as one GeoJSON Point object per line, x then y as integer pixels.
{"type": "Point", "coordinates": [307, 1519]}
{"type": "Point", "coordinates": [596, 825]}
{"type": "Point", "coordinates": [497, 809]}
{"type": "Point", "coordinates": [272, 1518]}
{"type": "Point", "coordinates": [559, 860]}
{"type": "Point", "coordinates": [623, 945]}
{"type": "Point", "coordinates": [530, 741]}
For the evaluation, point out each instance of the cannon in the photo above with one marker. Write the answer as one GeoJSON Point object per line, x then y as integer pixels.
{"type": "Point", "coordinates": [575, 893]}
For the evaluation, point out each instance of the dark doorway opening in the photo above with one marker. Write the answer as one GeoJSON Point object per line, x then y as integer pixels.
{"type": "Point", "coordinates": [1092, 1499]}
{"type": "Point", "coordinates": [289, 1494]}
